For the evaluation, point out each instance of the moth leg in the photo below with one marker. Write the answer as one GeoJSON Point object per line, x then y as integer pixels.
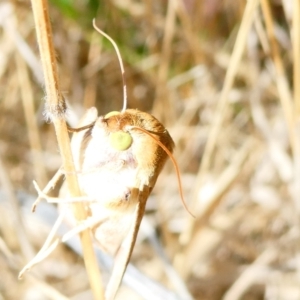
{"type": "Point", "coordinates": [48, 246]}
{"type": "Point", "coordinates": [60, 200]}
{"type": "Point", "coordinates": [51, 184]}
{"type": "Point", "coordinates": [124, 253]}
{"type": "Point", "coordinates": [81, 226]}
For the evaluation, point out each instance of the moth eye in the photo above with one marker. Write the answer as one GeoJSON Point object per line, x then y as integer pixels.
{"type": "Point", "coordinates": [110, 114]}
{"type": "Point", "coordinates": [120, 140]}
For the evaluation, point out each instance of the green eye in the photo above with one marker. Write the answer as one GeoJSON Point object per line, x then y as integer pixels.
{"type": "Point", "coordinates": [120, 140]}
{"type": "Point", "coordinates": [110, 114]}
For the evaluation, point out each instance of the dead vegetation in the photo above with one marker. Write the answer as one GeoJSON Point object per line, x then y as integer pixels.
{"type": "Point", "coordinates": [223, 76]}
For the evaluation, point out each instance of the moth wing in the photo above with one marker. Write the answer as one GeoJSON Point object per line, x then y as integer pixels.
{"type": "Point", "coordinates": [124, 253]}
{"type": "Point", "coordinates": [89, 117]}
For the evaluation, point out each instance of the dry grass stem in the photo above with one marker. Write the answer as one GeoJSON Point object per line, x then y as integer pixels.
{"type": "Point", "coordinates": [222, 185]}
{"type": "Point", "coordinates": [189, 32]}
{"type": "Point", "coordinates": [28, 106]}
{"type": "Point", "coordinates": [56, 107]}
{"type": "Point", "coordinates": [222, 106]}
{"type": "Point", "coordinates": [161, 92]}
{"type": "Point", "coordinates": [255, 273]}
{"type": "Point", "coordinates": [90, 92]}
{"type": "Point", "coordinates": [39, 284]}
{"type": "Point", "coordinates": [281, 78]}
{"type": "Point", "coordinates": [296, 54]}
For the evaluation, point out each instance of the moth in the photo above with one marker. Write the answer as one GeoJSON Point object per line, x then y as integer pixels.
{"type": "Point", "coordinates": [118, 158]}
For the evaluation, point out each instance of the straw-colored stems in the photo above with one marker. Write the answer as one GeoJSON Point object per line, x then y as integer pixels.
{"type": "Point", "coordinates": [165, 59]}
{"type": "Point", "coordinates": [12, 260]}
{"type": "Point", "coordinates": [189, 34]}
{"type": "Point", "coordinates": [90, 92]}
{"type": "Point", "coordinates": [296, 53]}
{"type": "Point", "coordinates": [296, 57]}
{"type": "Point", "coordinates": [56, 106]}
{"type": "Point", "coordinates": [281, 79]}
{"type": "Point", "coordinates": [33, 134]}
{"type": "Point", "coordinates": [256, 273]}
{"type": "Point", "coordinates": [223, 184]}
{"type": "Point", "coordinates": [222, 106]}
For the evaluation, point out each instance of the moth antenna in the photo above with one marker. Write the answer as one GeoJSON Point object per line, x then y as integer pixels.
{"type": "Point", "coordinates": [169, 153]}
{"type": "Point", "coordinates": [70, 129]}
{"type": "Point", "coordinates": [120, 62]}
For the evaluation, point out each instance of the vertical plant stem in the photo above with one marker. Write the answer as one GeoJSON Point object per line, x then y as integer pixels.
{"type": "Point", "coordinates": [296, 58]}
{"type": "Point", "coordinates": [56, 108]}
{"type": "Point", "coordinates": [33, 133]}
{"type": "Point", "coordinates": [162, 76]}
{"type": "Point", "coordinates": [228, 83]}
{"type": "Point", "coordinates": [281, 79]}
{"type": "Point", "coordinates": [90, 92]}
{"type": "Point", "coordinates": [216, 124]}
{"type": "Point", "coordinates": [296, 54]}
{"type": "Point", "coordinates": [189, 32]}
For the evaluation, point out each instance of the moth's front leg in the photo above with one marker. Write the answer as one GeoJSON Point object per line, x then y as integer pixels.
{"type": "Point", "coordinates": [61, 199]}
{"type": "Point", "coordinates": [124, 253]}
{"type": "Point", "coordinates": [52, 240]}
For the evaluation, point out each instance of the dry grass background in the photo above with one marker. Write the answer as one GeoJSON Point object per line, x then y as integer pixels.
{"type": "Point", "coordinates": [223, 76]}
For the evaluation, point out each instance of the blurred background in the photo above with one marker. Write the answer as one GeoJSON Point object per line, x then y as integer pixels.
{"type": "Point", "coordinates": [223, 77]}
